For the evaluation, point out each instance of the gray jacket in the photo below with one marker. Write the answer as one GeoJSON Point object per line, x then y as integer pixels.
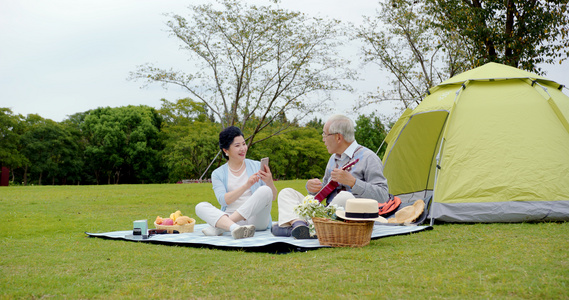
{"type": "Point", "coordinates": [368, 171]}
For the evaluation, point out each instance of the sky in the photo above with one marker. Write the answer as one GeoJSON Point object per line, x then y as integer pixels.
{"type": "Point", "coordinates": [61, 57]}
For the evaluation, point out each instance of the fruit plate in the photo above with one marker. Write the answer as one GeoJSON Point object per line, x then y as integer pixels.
{"type": "Point", "coordinates": [180, 228]}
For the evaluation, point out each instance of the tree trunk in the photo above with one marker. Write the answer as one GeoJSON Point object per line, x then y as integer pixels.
{"type": "Point", "coordinates": [26, 175]}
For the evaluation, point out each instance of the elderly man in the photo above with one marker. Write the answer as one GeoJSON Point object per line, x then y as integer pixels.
{"type": "Point", "coordinates": [363, 180]}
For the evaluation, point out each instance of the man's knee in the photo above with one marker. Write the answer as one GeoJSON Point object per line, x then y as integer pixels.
{"type": "Point", "coordinates": [288, 193]}
{"type": "Point", "coordinates": [341, 198]}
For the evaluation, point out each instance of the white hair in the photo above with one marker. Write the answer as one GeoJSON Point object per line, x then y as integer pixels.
{"type": "Point", "coordinates": [342, 125]}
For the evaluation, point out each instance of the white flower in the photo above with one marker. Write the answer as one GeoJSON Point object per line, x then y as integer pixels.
{"type": "Point", "coordinates": [312, 208]}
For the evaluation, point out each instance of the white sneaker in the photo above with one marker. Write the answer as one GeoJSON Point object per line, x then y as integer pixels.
{"type": "Point", "coordinates": [244, 231]}
{"type": "Point", "coordinates": [212, 231]}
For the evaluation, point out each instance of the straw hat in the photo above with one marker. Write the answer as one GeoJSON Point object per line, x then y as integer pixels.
{"type": "Point", "coordinates": [409, 213]}
{"type": "Point", "coordinates": [359, 209]}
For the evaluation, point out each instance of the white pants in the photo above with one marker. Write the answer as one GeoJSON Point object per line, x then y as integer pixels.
{"type": "Point", "coordinates": [256, 210]}
{"type": "Point", "coordinates": [289, 198]}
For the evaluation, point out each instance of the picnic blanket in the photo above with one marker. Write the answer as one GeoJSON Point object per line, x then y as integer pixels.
{"type": "Point", "coordinates": [263, 241]}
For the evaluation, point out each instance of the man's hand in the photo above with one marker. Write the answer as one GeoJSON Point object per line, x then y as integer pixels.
{"type": "Point", "coordinates": [343, 177]}
{"type": "Point", "coordinates": [314, 185]}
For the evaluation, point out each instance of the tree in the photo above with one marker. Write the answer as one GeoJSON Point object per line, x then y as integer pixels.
{"type": "Point", "coordinates": [371, 133]}
{"type": "Point", "coordinates": [298, 153]}
{"type": "Point", "coordinates": [255, 61]}
{"type": "Point", "coordinates": [182, 112]}
{"type": "Point", "coordinates": [315, 123]}
{"type": "Point", "coordinates": [400, 40]}
{"type": "Point", "coordinates": [191, 138]}
{"type": "Point", "coordinates": [71, 160]}
{"type": "Point", "coordinates": [123, 141]}
{"type": "Point", "coordinates": [519, 33]}
{"type": "Point", "coordinates": [11, 129]}
{"type": "Point", "coordinates": [189, 156]}
{"type": "Point", "coordinates": [422, 43]}
{"type": "Point", "coordinates": [179, 117]}
{"type": "Point", "coordinates": [77, 172]}
{"type": "Point", "coordinates": [50, 150]}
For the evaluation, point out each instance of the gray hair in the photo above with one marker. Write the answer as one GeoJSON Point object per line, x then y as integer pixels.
{"type": "Point", "coordinates": [342, 125]}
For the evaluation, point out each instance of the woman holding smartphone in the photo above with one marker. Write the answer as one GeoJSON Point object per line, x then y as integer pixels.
{"type": "Point", "coordinates": [244, 191]}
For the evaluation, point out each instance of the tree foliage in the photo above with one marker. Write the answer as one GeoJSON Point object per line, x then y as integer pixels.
{"type": "Point", "coordinates": [11, 128]}
{"type": "Point", "coordinates": [191, 138]}
{"type": "Point", "coordinates": [137, 144]}
{"type": "Point", "coordinates": [189, 157]}
{"type": "Point", "coordinates": [123, 141]}
{"type": "Point", "coordinates": [254, 63]}
{"type": "Point", "coordinates": [519, 33]}
{"type": "Point", "coordinates": [191, 144]}
{"type": "Point", "coordinates": [371, 133]}
{"type": "Point", "coordinates": [400, 39]}
{"type": "Point", "coordinates": [182, 112]}
{"type": "Point", "coordinates": [50, 150]}
{"type": "Point", "coordinates": [298, 153]}
{"type": "Point", "coordinates": [421, 43]}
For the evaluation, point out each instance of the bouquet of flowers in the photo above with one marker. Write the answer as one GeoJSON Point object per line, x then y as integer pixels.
{"type": "Point", "coordinates": [312, 208]}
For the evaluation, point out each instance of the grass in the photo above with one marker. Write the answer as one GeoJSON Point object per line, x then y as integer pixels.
{"type": "Point", "coordinates": [46, 254]}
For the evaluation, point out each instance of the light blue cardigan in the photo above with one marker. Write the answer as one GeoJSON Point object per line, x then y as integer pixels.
{"type": "Point", "coordinates": [220, 175]}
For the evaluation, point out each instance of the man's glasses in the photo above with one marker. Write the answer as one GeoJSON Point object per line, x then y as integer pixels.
{"type": "Point", "coordinates": [325, 135]}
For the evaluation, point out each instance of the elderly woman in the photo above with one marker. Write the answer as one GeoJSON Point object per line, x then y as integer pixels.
{"type": "Point", "coordinates": [244, 192]}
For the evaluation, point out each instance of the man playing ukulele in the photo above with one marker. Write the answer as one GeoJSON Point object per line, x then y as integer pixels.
{"type": "Point", "coordinates": [357, 171]}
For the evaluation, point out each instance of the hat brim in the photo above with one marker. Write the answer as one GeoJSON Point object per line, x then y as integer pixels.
{"type": "Point", "coordinates": [342, 214]}
{"type": "Point", "coordinates": [409, 214]}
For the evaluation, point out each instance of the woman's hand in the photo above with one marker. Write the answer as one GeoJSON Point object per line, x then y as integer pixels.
{"type": "Point", "coordinates": [230, 197]}
{"type": "Point", "coordinates": [265, 175]}
{"type": "Point", "coordinates": [252, 180]}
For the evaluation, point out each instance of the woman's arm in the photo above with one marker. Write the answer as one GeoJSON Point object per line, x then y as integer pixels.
{"type": "Point", "coordinates": [218, 186]}
{"type": "Point", "coordinates": [230, 197]}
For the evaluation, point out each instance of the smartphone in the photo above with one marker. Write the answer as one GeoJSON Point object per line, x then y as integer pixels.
{"type": "Point", "coordinates": [264, 162]}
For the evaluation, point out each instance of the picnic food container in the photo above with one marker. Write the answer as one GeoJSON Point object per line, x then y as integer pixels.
{"type": "Point", "coordinates": [180, 228]}
{"type": "Point", "coordinates": [343, 234]}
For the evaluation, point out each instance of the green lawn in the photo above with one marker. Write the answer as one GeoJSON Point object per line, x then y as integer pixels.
{"type": "Point", "coordinates": [45, 253]}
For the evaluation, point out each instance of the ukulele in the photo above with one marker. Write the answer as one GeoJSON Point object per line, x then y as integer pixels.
{"type": "Point", "coordinates": [332, 185]}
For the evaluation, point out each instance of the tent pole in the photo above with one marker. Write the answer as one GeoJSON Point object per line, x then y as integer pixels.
{"type": "Point", "coordinates": [383, 142]}
{"type": "Point", "coordinates": [438, 166]}
{"type": "Point", "coordinates": [211, 163]}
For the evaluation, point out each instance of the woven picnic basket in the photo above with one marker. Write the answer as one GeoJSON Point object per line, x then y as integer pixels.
{"type": "Point", "coordinates": [180, 228]}
{"type": "Point", "coordinates": [343, 234]}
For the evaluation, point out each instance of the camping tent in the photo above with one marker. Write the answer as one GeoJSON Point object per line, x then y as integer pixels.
{"type": "Point", "coordinates": [490, 145]}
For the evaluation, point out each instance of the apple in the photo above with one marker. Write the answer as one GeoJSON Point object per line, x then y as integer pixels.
{"type": "Point", "coordinates": [168, 221]}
